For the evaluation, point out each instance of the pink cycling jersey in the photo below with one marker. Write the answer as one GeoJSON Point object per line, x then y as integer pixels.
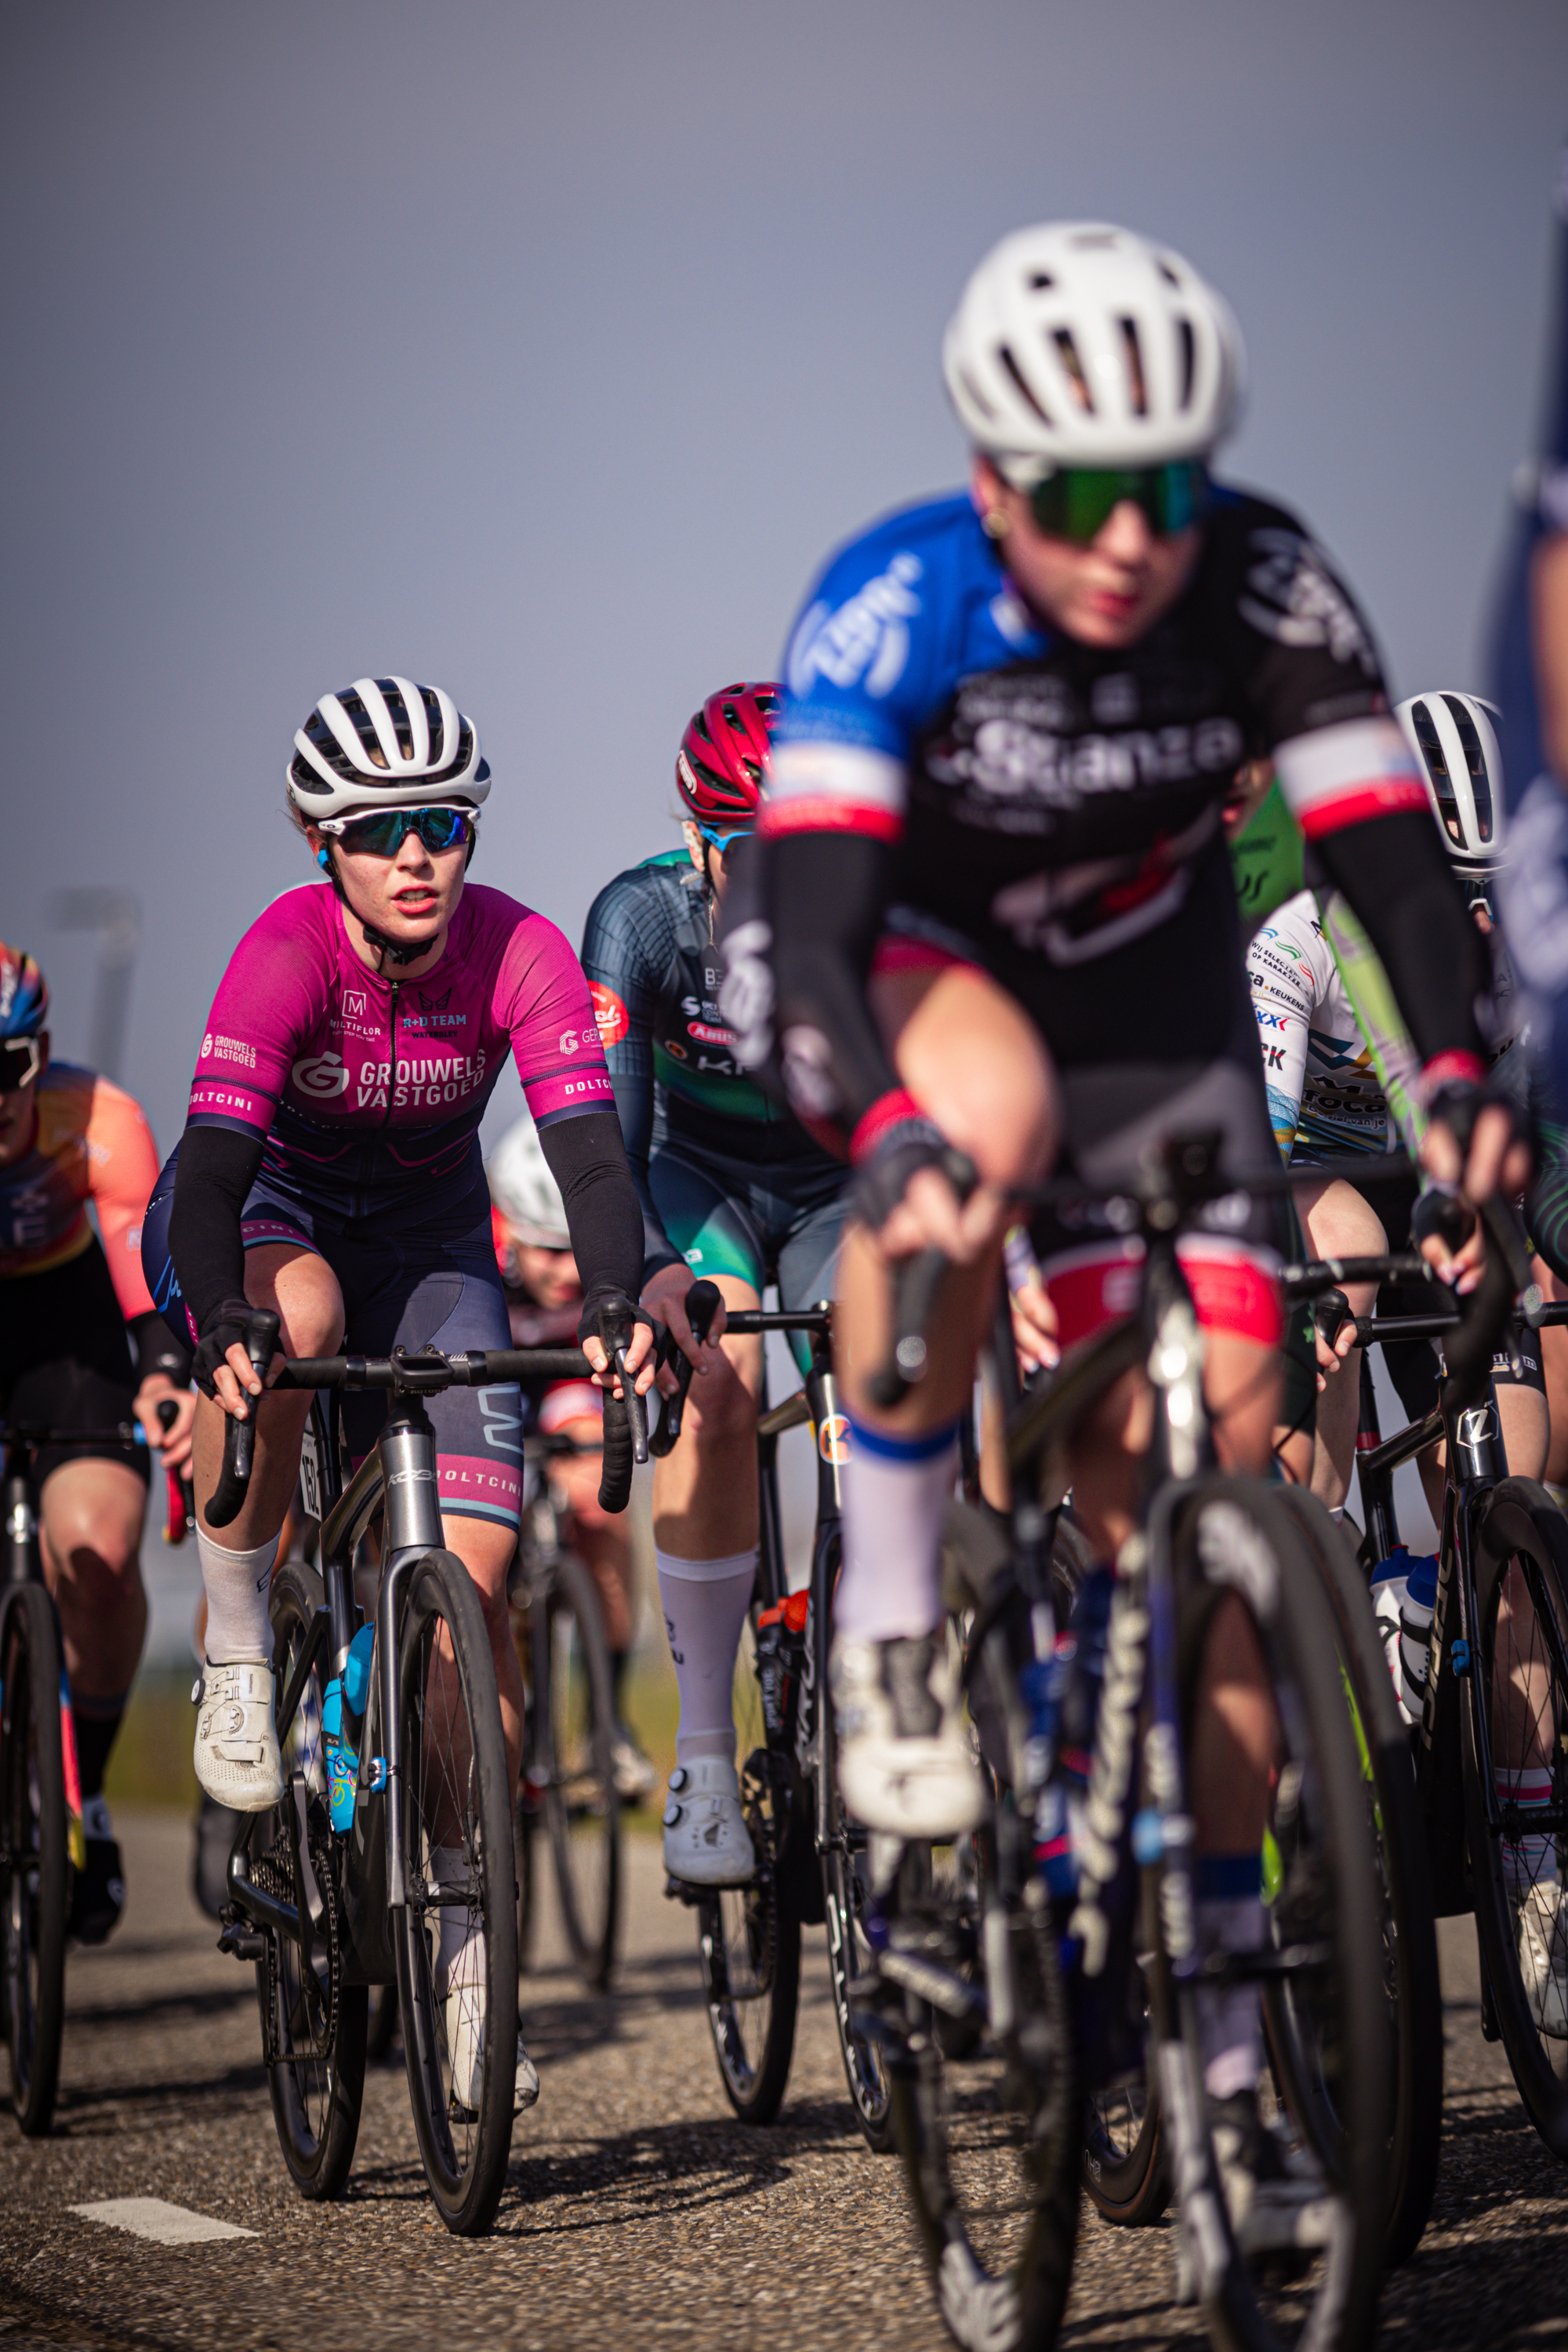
{"type": "Point", "coordinates": [366, 1087]}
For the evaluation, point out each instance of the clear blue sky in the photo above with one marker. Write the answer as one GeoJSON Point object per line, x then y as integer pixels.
{"type": "Point", "coordinates": [544, 351]}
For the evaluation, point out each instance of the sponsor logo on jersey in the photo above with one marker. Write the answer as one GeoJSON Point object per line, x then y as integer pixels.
{"type": "Point", "coordinates": [708, 1037]}
{"type": "Point", "coordinates": [321, 1076]}
{"type": "Point", "coordinates": [428, 1081]}
{"type": "Point", "coordinates": [1009, 759]}
{"type": "Point", "coordinates": [865, 641]}
{"type": "Point", "coordinates": [574, 1041]}
{"type": "Point", "coordinates": [229, 1049]}
{"type": "Point", "coordinates": [434, 1003]}
{"type": "Point", "coordinates": [609, 1012]}
{"type": "Point", "coordinates": [353, 1004]}
{"type": "Point", "coordinates": [1296, 600]}
{"type": "Point", "coordinates": [676, 1051]}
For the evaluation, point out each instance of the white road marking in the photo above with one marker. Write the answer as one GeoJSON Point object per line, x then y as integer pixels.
{"type": "Point", "coordinates": [152, 2217]}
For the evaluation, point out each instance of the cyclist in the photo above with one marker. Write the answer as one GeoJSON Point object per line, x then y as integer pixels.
{"type": "Point", "coordinates": [329, 1170]}
{"type": "Point", "coordinates": [1326, 1088]}
{"type": "Point", "coordinates": [732, 1189]}
{"type": "Point", "coordinates": [998, 913]}
{"type": "Point", "coordinates": [543, 1300]}
{"type": "Point", "coordinates": [75, 1318]}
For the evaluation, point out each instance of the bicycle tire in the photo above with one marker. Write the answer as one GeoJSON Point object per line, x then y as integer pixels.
{"type": "Point", "coordinates": [1415, 1990]}
{"type": "Point", "coordinates": [749, 1936]}
{"type": "Point", "coordinates": [314, 2035]}
{"type": "Point", "coordinates": [525, 1829]}
{"type": "Point", "coordinates": [581, 1802]}
{"type": "Point", "coordinates": [989, 2125]}
{"type": "Point", "coordinates": [454, 1781]}
{"type": "Point", "coordinates": [1231, 1535]}
{"type": "Point", "coordinates": [1519, 1525]}
{"type": "Point", "coordinates": [34, 1857]}
{"type": "Point", "coordinates": [1126, 2155]}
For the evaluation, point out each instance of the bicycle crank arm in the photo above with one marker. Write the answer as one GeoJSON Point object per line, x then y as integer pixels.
{"type": "Point", "coordinates": [928, 1982]}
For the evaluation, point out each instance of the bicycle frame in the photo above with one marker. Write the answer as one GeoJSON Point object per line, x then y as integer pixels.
{"type": "Point", "coordinates": [399, 1474]}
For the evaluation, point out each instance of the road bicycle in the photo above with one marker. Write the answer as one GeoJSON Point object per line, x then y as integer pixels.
{"type": "Point", "coordinates": [1002, 1989]}
{"type": "Point", "coordinates": [42, 1843]}
{"type": "Point", "coordinates": [1494, 1725]}
{"type": "Point", "coordinates": [811, 1858]}
{"type": "Point", "coordinates": [568, 1789]}
{"type": "Point", "coordinates": [396, 1813]}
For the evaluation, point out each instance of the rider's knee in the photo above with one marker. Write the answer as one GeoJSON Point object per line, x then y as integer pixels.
{"type": "Point", "coordinates": [718, 1408]}
{"type": "Point", "coordinates": [304, 1294]}
{"type": "Point", "coordinates": [92, 1547]}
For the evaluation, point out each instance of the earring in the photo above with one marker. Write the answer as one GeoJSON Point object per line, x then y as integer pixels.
{"type": "Point", "coordinates": [994, 523]}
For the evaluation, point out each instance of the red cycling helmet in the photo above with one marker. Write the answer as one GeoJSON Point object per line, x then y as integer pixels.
{"type": "Point", "coordinates": [722, 762]}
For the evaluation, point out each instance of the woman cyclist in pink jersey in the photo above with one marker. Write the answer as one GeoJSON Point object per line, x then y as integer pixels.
{"type": "Point", "coordinates": [330, 1170]}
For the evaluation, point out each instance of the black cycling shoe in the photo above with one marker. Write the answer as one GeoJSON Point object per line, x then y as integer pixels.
{"type": "Point", "coordinates": [98, 1892]}
{"type": "Point", "coordinates": [216, 1826]}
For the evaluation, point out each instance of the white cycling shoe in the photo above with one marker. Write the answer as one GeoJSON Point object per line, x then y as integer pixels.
{"type": "Point", "coordinates": [905, 1764]}
{"type": "Point", "coordinates": [1544, 1958]}
{"type": "Point", "coordinates": [706, 1841]}
{"type": "Point", "coordinates": [236, 1756]}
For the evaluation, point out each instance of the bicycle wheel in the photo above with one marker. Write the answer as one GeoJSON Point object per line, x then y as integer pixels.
{"type": "Point", "coordinates": [1412, 1987]}
{"type": "Point", "coordinates": [34, 1862]}
{"type": "Point", "coordinates": [314, 2026]}
{"type": "Point", "coordinates": [1521, 1669]}
{"type": "Point", "coordinates": [989, 2123]}
{"type": "Point", "coordinates": [749, 1936]}
{"type": "Point", "coordinates": [1322, 1963]}
{"type": "Point", "coordinates": [1126, 2161]}
{"type": "Point", "coordinates": [455, 1938]}
{"type": "Point", "coordinates": [845, 1891]}
{"type": "Point", "coordinates": [580, 1805]}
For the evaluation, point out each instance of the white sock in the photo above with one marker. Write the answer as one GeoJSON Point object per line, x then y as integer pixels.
{"type": "Point", "coordinates": [238, 1583]}
{"type": "Point", "coordinates": [1229, 2025]}
{"type": "Point", "coordinates": [894, 1491]}
{"type": "Point", "coordinates": [461, 1940]}
{"type": "Point", "coordinates": [1533, 1861]}
{"type": "Point", "coordinates": [705, 1603]}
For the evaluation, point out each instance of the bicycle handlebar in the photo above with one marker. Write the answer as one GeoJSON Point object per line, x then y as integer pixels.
{"type": "Point", "coordinates": [703, 1301]}
{"type": "Point", "coordinates": [427, 1373]}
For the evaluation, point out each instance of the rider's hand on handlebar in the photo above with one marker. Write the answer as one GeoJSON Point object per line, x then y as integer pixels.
{"type": "Point", "coordinates": [1034, 1327]}
{"type": "Point", "coordinates": [929, 1216]}
{"type": "Point", "coordinates": [172, 1445]}
{"type": "Point", "coordinates": [220, 1366]}
{"type": "Point", "coordinates": [616, 1318]}
{"type": "Point", "coordinates": [665, 1298]}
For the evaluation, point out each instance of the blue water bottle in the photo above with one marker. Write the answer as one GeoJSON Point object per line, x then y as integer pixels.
{"type": "Point", "coordinates": [343, 1712]}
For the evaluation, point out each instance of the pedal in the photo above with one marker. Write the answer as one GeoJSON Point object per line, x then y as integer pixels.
{"type": "Point", "coordinates": [241, 1941]}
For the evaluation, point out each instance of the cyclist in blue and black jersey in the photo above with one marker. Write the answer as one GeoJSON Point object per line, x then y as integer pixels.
{"type": "Point", "coordinates": [997, 915]}
{"type": "Point", "coordinates": [734, 1191]}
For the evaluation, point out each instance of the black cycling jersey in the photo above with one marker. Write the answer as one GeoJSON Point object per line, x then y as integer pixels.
{"type": "Point", "coordinates": [655, 976]}
{"type": "Point", "coordinates": [1051, 803]}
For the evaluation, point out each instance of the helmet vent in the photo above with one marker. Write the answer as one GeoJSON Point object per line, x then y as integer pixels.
{"type": "Point", "coordinates": [1187, 351]}
{"type": "Point", "coordinates": [1475, 760]}
{"type": "Point", "coordinates": [1135, 367]}
{"type": "Point", "coordinates": [1025, 391]}
{"type": "Point", "coordinates": [1437, 769]}
{"type": "Point", "coordinates": [1070, 360]}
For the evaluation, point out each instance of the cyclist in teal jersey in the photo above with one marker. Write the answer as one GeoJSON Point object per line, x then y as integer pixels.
{"type": "Point", "coordinates": [733, 1191]}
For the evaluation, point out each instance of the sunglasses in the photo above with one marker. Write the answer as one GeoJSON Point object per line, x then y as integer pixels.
{"type": "Point", "coordinates": [20, 1061]}
{"type": "Point", "coordinates": [384, 835]}
{"type": "Point", "coordinates": [1075, 503]}
{"type": "Point", "coordinates": [722, 841]}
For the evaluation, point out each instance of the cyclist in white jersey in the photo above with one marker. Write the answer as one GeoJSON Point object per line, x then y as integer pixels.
{"type": "Point", "coordinates": [1327, 1090]}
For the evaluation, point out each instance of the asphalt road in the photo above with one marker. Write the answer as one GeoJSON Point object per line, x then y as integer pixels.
{"type": "Point", "coordinates": [638, 2211]}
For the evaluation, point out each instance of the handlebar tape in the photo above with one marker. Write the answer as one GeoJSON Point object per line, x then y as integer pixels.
{"type": "Point", "coordinates": [240, 1437]}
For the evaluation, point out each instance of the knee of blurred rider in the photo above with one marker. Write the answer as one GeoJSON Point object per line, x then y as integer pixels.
{"type": "Point", "coordinates": [91, 1516]}
{"type": "Point", "coordinates": [976, 1064]}
{"type": "Point", "coordinates": [1244, 1383]}
{"type": "Point", "coordinates": [719, 1409]}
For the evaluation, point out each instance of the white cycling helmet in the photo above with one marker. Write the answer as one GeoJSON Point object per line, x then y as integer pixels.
{"type": "Point", "coordinates": [387, 742]}
{"type": "Point", "coordinates": [1076, 343]}
{"type": "Point", "coordinates": [525, 1191]}
{"type": "Point", "coordinates": [1454, 738]}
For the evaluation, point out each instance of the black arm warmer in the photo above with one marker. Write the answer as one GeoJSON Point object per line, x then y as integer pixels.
{"type": "Point", "coordinates": [588, 1160]}
{"type": "Point", "coordinates": [1397, 880]}
{"type": "Point", "coordinates": [826, 894]}
{"type": "Point", "coordinates": [158, 1350]}
{"type": "Point", "coordinates": [217, 1169]}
